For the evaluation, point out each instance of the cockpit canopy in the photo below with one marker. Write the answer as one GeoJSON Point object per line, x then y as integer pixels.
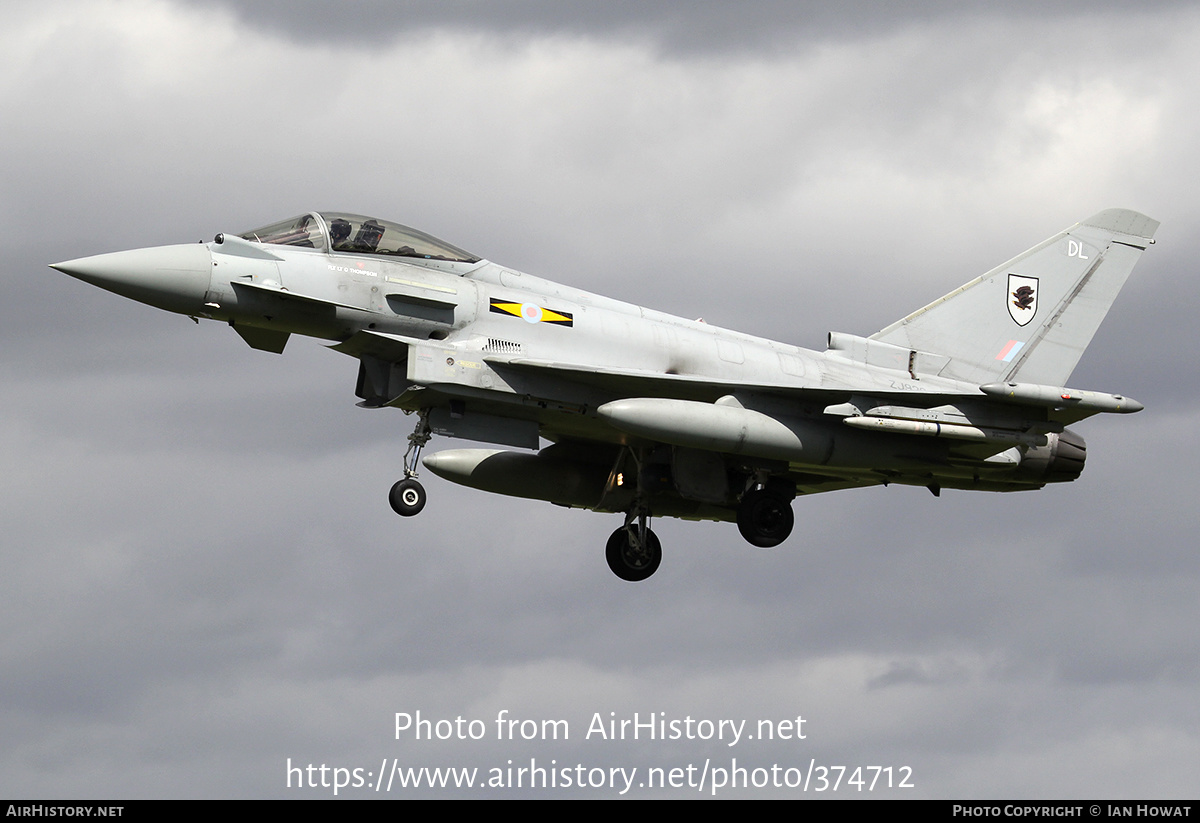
{"type": "Point", "coordinates": [353, 233]}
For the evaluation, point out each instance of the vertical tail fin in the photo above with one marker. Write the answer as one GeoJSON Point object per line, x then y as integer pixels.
{"type": "Point", "coordinates": [1033, 316]}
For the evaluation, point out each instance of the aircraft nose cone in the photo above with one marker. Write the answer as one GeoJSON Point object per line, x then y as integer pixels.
{"type": "Point", "coordinates": [174, 278]}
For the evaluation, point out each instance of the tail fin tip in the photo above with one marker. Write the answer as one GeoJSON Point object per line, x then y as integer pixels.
{"type": "Point", "coordinates": [1124, 221]}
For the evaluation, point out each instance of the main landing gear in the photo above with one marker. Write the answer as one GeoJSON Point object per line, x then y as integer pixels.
{"type": "Point", "coordinates": [765, 518]}
{"type": "Point", "coordinates": [408, 495]}
{"type": "Point", "coordinates": [633, 551]}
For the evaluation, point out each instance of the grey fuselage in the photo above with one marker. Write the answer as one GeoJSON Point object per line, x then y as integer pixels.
{"type": "Point", "coordinates": [495, 355]}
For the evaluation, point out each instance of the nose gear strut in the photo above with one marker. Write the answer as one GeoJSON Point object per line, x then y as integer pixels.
{"type": "Point", "coordinates": [408, 495]}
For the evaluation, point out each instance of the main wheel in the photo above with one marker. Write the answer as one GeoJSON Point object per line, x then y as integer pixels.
{"type": "Point", "coordinates": [407, 497]}
{"type": "Point", "coordinates": [764, 519]}
{"type": "Point", "coordinates": [630, 561]}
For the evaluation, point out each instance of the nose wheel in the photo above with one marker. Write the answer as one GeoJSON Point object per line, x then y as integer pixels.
{"type": "Point", "coordinates": [408, 496]}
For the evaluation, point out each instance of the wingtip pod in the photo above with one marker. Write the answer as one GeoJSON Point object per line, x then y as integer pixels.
{"type": "Point", "coordinates": [1125, 221]}
{"type": "Point", "coordinates": [1062, 397]}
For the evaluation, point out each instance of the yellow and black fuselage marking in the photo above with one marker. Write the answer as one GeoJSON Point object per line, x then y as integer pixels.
{"type": "Point", "coordinates": [532, 312]}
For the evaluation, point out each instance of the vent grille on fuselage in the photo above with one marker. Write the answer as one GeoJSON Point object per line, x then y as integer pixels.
{"type": "Point", "coordinates": [498, 346]}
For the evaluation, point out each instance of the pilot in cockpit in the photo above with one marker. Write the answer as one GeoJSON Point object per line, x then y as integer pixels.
{"type": "Point", "coordinates": [339, 234]}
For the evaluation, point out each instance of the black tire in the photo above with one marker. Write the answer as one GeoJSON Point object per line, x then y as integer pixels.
{"type": "Point", "coordinates": [764, 519]}
{"type": "Point", "coordinates": [628, 562]}
{"type": "Point", "coordinates": [407, 497]}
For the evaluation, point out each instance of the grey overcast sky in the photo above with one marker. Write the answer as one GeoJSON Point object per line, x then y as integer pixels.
{"type": "Point", "coordinates": [202, 578]}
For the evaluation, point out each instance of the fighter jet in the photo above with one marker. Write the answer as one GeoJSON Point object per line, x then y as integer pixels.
{"type": "Point", "coordinates": [645, 414]}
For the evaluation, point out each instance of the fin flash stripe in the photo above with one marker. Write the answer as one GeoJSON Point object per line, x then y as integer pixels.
{"type": "Point", "coordinates": [532, 313]}
{"type": "Point", "coordinates": [1010, 351]}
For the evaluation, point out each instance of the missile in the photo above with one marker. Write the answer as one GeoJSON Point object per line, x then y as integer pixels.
{"type": "Point", "coordinates": [953, 431]}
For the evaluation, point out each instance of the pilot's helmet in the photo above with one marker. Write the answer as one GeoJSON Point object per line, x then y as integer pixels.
{"type": "Point", "coordinates": [339, 231]}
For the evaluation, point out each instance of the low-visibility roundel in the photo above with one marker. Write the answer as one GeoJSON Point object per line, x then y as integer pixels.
{"type": "Point", "coordinates": [531, 313]}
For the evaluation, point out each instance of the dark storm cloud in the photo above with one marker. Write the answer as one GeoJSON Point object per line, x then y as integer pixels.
{"type": "Point", "coordinates": [696, 28]}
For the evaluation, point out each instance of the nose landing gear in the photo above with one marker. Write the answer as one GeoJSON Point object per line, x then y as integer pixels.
{"type": "Point", "coordinates": [408, 495]}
